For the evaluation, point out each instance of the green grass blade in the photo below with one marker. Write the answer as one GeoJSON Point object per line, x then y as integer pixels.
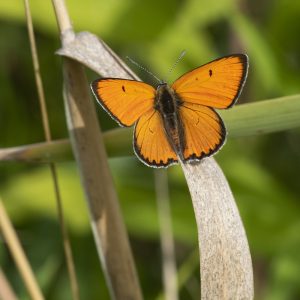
{"type": "Point", "coordinates": [243, 120]}
{"type": "Point", "coordinates": [263, 117]}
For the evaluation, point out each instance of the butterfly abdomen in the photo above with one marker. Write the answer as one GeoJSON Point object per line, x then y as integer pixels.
{"type": "Point", "coordinates": [167, 103]}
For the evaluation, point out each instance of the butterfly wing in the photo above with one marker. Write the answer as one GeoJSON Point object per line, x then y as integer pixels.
{"type": "Point", "coordinates": [128, 101]}
{"type": "Point", "coordinates": [204, 131]}
{"type": "Point", "coordinates": [150, 142]}
{"type": "Point", "coordinates": [124, 100]}
{"type": "Point", "coordinates": [217, 84]}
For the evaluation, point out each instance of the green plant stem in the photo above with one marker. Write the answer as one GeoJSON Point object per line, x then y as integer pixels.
{"type": "Point", "coordinates": [263, 117]}
{"type": "Point", "coordinates": [257, 118]}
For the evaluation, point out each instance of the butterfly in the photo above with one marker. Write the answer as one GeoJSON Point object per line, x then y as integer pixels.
{"type": "Point", "coordinates": [178, 121]}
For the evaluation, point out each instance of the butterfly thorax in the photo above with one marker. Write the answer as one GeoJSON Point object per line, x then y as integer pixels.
{"type": "Point", "coordinates": [168, 103]}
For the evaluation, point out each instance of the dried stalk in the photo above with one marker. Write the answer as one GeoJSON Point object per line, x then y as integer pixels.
{"type": "Point", "coordinates": [19, 255]}
{"type": "Point", "coordinates": [45, 152]}
{"type": "Point", "coordinates": [87, 143]}
{"type": "Point", "coordinates": [6, 291]}
{"type": "Point", "coordinates": [166, 235]}
{"type": "Point", "coordinates": [117, 143]}
{"type": "Point", "coordinates": [47, 133]}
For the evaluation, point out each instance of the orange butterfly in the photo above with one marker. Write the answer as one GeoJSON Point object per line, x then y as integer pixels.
{"type": "Point", "coordinates": [178, 121]}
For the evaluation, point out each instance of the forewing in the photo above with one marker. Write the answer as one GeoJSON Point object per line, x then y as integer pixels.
{"type": "Point", "coordinates": [217, 84]}
{"type": "Point", "coordinates": [124, 100]}
{"type": "Point", "coordinates": [204, 131]}
{"type": "Point", "coordinates": [150, 142]}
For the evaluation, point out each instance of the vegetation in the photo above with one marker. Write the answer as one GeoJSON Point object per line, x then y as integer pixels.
{"type": "Point", "coordinates": [262, 169]}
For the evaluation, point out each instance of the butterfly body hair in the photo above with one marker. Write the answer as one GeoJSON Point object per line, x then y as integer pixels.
{"type": "Point", "coordinates": [167, 103]}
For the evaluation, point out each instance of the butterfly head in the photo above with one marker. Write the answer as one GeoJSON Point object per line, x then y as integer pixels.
{"type": "Point", "coordinates": [161, 84]}
{"type": "Point", "coordinates": [163, 87]}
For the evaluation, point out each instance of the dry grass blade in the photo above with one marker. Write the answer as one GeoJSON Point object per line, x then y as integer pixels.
{"type": "Point", "coordinates": [6, 291]}
{"type": "Point", "coordinates": [117, 143]}
{"type": "Point", "coordinates": [225, 261]}
{"type": "Point", "coordinates": [87, 143]}
{"type": "Point", "coordinates": [46, 152]}
{"type": "Point", "coordinates": [96, 55]}
{"type": "Point", "coordinates": [19, 255]}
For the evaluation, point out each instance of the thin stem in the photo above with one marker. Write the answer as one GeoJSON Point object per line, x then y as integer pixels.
{"type": "Point", "coordinates": [37, 74]}
{"type": "Point", "coordinates": [65, 236]}
{"type": "Point", "coordinates": [6, 291]}
{"type": "Point", "coordinates": [62, 16]}
{"type": "Point", "coordinates": [47, 133]}
{"type": "Point", "coordinates": [166, 235]}
{"type": "Point", "coordinates": [185, 271]}
{"type": "Point", "coordinates": [19, 255]}
{"type": "Point", "coordinates": [257, 118]}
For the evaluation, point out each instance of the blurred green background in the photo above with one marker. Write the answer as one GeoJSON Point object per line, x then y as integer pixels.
{"type": "Point", "coordinates": [263, 171]}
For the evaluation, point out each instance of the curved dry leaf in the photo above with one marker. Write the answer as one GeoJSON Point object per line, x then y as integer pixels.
{"type": "Point", "coordinates": [87, 49]}
{"type": "Point", "coordinates": [225, 261]}
{"type": "Point", "coordinates": [87, 143]}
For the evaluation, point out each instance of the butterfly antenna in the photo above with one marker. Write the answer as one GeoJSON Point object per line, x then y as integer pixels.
{"type": "Point", "coordinates": [143, 68]}
{"type": "Point", "coordinates": [182, 54]}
